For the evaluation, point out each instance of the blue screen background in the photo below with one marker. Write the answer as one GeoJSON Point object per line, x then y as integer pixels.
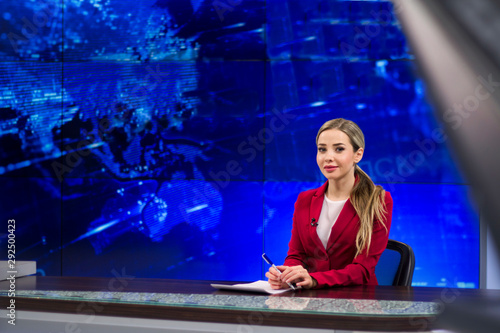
{"type": "Point", "coordinates": [170, 139]}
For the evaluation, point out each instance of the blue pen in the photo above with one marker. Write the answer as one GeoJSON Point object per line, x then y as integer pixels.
{"type": "Point", "coordinates": [266, 258]}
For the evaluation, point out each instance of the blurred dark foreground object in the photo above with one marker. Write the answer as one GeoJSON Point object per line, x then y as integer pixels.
{"type": "Point", "coordinates": [455, 43]}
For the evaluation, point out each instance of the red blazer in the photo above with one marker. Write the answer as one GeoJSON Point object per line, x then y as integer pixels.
{"type": "Point", "coordinates": [336, 265]}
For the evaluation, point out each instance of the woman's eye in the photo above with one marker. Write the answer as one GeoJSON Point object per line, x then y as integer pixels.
{"type": "Point", "coordinates": [340, 149]}
{"type": "Point", "coordinates": [321, 149]}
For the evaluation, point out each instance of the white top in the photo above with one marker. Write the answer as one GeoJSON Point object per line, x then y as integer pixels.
{"type": "Point", "coordinates": [329, 214]}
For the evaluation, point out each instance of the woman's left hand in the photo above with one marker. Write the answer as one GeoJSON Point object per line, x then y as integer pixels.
{"type": "Point", "coordinates": [298, 275]}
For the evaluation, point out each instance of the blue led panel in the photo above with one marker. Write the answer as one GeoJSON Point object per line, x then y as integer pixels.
{"type": "Point", "coordinates": [173, 120]}
{"type": "Point", "coordinates": [34, 204]}
{"type": "Point", "coordinates": [31, 31]}
{"type": "Point", "coordinates": [442, 226]}
{"type": "Point", "coordinates": [171, 229]}
{"type": "Point", "coordinates": [404, 143]}
{"type": "Point", "coordinates": [31, 98]}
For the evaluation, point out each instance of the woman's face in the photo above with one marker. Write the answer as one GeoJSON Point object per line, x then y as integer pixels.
{"type": "Point", "coordinates": [336, 157]}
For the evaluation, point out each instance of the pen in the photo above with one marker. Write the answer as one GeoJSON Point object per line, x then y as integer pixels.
{"type": "Point", "coordinates": [266, 258]}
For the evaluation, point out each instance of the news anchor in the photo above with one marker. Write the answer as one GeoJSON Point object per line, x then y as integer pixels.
{"type": "Point", "coordinates": [341, 228]}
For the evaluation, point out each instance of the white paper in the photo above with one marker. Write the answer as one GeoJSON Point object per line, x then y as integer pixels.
{"type": "Point", "coordinates": [260, 286]}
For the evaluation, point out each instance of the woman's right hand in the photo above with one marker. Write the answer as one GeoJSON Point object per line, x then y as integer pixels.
{"type": "Point", "coordinates": [274, 278]}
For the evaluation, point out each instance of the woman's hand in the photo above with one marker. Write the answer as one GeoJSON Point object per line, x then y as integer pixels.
{"type": "Point", "coordinates": [298, 275]}
{"type": "Point", "coordinates": [274, 278]}
{"type": "Point", "coordinates": [294, 274]}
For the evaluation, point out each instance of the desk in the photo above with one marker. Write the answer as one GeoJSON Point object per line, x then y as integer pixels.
{"type": "Point", "coordinates": [367, 308]}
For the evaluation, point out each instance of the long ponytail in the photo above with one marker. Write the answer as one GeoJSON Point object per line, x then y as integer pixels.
{"type": "Point", "coordinates": [368, 201]}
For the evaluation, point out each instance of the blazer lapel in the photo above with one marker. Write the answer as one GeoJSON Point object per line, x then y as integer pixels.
{"type": "Point", "coordinates": [347, 214]}
{"type": "Point", "coordinates": [314, 212]}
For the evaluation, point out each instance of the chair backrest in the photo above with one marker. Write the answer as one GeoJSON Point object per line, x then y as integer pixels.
{"type": "Point", "coordinates": [396, 264]}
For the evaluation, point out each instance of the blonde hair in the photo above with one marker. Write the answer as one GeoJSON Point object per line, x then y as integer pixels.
{"type": "Point", "coordinates": [366, 197]}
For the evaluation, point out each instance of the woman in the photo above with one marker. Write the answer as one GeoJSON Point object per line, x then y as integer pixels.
{"type": "Point", "coordinates": [340, 229]}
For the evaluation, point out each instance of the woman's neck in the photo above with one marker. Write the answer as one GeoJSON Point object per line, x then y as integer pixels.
{"type": "Point", "coordinates": [340, 189]}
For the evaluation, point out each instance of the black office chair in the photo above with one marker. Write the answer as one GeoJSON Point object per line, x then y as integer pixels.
{"type": "Point", "coordinates": [396, 264]}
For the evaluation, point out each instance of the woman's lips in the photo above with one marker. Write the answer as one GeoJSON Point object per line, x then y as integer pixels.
{"type": "Point", "coordinates": [330, 168]}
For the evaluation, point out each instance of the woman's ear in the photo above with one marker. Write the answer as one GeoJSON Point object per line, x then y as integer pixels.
{"type": "Point", "coordinates": [358, 155]}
